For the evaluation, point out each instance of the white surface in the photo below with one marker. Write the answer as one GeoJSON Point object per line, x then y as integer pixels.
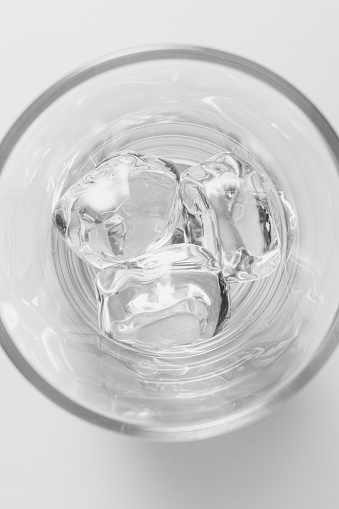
{"type": "Point", "coordinates": [51, 459]}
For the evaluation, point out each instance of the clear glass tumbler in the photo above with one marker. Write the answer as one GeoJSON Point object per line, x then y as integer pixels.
{"type": "Point", "coordinates": [185, 104]}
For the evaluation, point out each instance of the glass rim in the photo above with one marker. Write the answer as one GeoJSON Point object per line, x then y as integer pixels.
{"type": "Point", "coordinates": [134, 56]}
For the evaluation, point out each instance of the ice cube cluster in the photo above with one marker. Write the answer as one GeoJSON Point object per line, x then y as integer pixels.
{"type": "Point", "coordinates": [168, 245]}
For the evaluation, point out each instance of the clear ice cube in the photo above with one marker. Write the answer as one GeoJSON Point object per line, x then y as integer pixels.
{"type": "Point", "coordinates": [173, 297]}
{"type": "Point", "coordinates": [129, 205]}
{"type": "Point", "coordinates": [227, 211]}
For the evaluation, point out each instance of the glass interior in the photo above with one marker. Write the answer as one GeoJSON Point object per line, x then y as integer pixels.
{"type": "Point", "coordinates": [186, 108]}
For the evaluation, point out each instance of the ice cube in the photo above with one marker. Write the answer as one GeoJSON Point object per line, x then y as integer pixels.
{"type": "Point", "coordinates": [227, 211]}
{"type": "Point", "coordinates": [173, 297]}
{"type": "Point", "coordinates": [128, 205]}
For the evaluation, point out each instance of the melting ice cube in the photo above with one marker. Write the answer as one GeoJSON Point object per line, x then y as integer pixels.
{"type": "Point", "coordinates": [227, 211]}
{"type": "Point", "coordinates": [128, 205]}
{"type": "Point", "coordinates": [173, 297]}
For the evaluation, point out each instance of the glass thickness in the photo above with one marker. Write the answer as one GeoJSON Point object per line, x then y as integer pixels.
{"type": "Point", "coordinates": [283, 327]}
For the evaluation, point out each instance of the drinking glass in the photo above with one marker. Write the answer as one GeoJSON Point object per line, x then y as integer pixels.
{"type": "Point", "coordinates": [185, 104]}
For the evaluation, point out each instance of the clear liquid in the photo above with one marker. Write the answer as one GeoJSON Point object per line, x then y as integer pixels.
{"type": "Point", "coordinates": [131, 205]}
{"type": "Point", "coordinates": [253, 303]}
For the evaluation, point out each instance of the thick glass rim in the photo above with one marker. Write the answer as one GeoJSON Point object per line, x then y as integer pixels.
{"type": "Point", "coordinates": [139, 55]}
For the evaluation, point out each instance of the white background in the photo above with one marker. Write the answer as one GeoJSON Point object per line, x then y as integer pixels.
{"type": "Point", "coordinates": [50, 459]}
